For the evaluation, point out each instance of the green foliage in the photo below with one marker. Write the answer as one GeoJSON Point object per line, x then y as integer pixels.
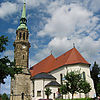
{"type": "Point", "coordinates": [6, 66]}
{"type": "Point", "coordinates": [63, 89]}
{"type": "Point", "coordinates": [84, 87]}
{"type": "Point", "coordinates": [72, 80]}
{"type": "Point", "coordinates": [98, 89]}
{"type": "Point", "coordinates": [48, 92]}
{"type": "Point", "coordinates": [94, 74]}
{"type": "Point", "coordinates": [3, 43]}
{"type": "Point", "coordinates": [74, 83]}
{"type": "Point", "coordinates": [5, 97]}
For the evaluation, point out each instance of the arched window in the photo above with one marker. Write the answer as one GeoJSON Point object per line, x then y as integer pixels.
{"type": "Point", "coordinates": [24, 36]}
{"type": "Point", "coordinates": [84, 76]}
{"type": "Point", "coordinates": [19, 35]}
{"type": "Point", "coordinates": [27, 36]}
{"type": "Point", "coordinates": [61, 78]}
{"type": "Point", "coordinates": [23, 56]}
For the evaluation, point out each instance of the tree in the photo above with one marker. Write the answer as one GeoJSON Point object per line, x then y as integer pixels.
{"type": "Point", "coordinates": [94, 74]}
{"type": "Point", "coordinates": [84, 87]}
{"type": "Point", "coordinates": [3, 43]}
{"type": "Point", "coordinates": [63, 89]}
{"type": "Point", "coordinates": [48, 92]}
{"type": "Point", "coordinates": [72, 80]}
{"type": "Point", "coordinates": [7, 67]}
{"type": "Point", "coordinates": [98, 89]}
{"type": "Point", "coordinates": [5, 97]}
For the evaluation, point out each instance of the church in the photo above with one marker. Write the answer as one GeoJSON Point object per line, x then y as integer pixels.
{"type": "Point", "coordinates": [48, 73]}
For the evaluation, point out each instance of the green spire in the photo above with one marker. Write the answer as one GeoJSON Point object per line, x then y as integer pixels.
{"type": "Point", "coordinates": [23, 20]}
{"type": "Point", "coordinates": [24, 11]}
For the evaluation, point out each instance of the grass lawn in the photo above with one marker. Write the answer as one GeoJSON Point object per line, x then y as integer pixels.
{"type": "Point", "coordinates": [77, 99]}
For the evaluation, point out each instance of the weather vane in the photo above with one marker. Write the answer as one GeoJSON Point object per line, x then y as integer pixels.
{"type": "Point", "coordinates": [24, 1]}
{"type": "Point", "coordinates": [73, 45]}
{"type": "Point", "coordinates": [51, 52]}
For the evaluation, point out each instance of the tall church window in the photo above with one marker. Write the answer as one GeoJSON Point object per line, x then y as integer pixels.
{"type": "Point", "coordinates": [84, 76]}
{"type": "Point", "coordinates": [19, 35]}
{"type": "Point", "coordinates": [38, 93]}
{"type": "Point", "coordinates": [24, 36]}
{"type": "Point", "coordinates": [61, 78]}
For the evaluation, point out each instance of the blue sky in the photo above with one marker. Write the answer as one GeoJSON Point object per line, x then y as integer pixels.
{"type": "Point", "coordinates": [53, 25]}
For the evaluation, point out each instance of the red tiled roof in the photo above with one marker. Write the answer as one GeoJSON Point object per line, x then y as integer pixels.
{"type": "Point", "coordinates": [50, 63]}
{"type": "Point", "coordinates": [43, 66]}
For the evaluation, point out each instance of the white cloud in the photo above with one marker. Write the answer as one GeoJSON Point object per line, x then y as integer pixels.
{"type": "Point", "coordinates": [95, 5]}
{"type": "Point", "coordinates": [11, 30]}
{"type": "Point", "coordinates": [5, 88]}
{"type": "Point", "coordinates": [10, 54]}
{"type": "Point", "coordinates": [7, 8]}
{"type": "Point", "coordinates": [33, 3]}
{"type": "Point", "coordinates": [32, 62]}
{"type": "Point", "coordinates": [68, 20]}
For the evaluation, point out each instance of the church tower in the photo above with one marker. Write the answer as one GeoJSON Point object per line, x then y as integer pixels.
{"type": "Point", "coordinates": [20, 86]}
{"type": "Point", "coordinates": [21, 43]}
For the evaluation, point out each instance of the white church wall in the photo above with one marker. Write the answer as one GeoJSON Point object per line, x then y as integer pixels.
{"type": "Point", "coordinates": [86, 69]}
{"type": "Point", "coordinates": [39, 85]}
{"type": "Point", "coordinates": [54, 90]}
{"type": "Point", "coordinates": [76, 67]}
{"type": "Point", "coordinates": [56, 73]}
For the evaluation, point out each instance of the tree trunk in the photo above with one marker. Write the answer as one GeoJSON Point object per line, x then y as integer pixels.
{"type": "Point", "coordinates": [72, 96]}
{"type": "Point", "coordinates": [65, 96]}
{"type": "Point", "coordinates": [86, 96]}
{"type": "Point", "coordinates": [47, 96]}
{"type": "Point", "coordinates": [62, 96]}
{"type": "Point", "coordinates": [0, 91]}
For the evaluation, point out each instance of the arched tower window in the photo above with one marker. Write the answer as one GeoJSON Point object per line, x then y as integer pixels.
{"type": "Point", "coordinates": [19, 35]}
{"type": "Point", "coordinates": [24, 36]}
{"type": "Point", "coordinates": [27, 36]}
{"type": "Point", "coordinates": [23, 56]}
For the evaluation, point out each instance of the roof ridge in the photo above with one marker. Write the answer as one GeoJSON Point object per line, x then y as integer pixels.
{"type": "Point", "coordinates": [79, 57]}
{"type": "Point", "coordinates": [64, 53]}
{"type": "Point", "coordinates": [43, 60]}
{"type": "Point", "coordinates": [70, 51]}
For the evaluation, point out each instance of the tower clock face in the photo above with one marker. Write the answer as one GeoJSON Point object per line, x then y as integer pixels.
{"type": "Point", "coordinates": [23, 46]}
